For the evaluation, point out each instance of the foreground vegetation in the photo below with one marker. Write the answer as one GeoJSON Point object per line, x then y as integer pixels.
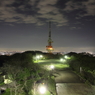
{"type": "Point", "coordinates": [21, 76]}
{"type": "Point", "coordinates": [21, 73]}
{"type": "Point", "coordinates": [83, 64]}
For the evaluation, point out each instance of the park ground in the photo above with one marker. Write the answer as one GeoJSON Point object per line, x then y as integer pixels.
{"type": "Point", "coordinates": [67, 81]}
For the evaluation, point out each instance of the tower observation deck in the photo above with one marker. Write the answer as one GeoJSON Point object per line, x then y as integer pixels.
{"type": "Point", "coordinates": [49, 47]}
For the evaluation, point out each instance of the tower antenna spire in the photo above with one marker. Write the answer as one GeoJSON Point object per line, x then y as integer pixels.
{"type": "Point", "coordinates": [49, 47]}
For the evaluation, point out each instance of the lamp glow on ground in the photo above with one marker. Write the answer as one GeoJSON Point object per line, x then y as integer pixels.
{"type": "Point", "coordinates": [42, 89]}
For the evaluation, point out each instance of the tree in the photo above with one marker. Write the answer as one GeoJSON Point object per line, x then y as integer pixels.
{"type": "Point", "coordinates": [24, 75]}
{"type": "Point", "coordinates": [24, 79]}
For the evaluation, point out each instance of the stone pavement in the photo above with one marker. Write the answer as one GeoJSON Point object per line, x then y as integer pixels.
{"type": "Point", "coordinates": [68, 83]}
{"type": "Point", "coordinates": [74, 89]}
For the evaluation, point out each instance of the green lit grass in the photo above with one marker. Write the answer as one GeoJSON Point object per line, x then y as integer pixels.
{"type": "Point", "coordinates": [60, 66]}
{"type": "Point", "coordinates": [37, 61]}
{"type": "Point", "coordinates": [47, 93]}
{"type": "Point", "coordinates": [56, 65]}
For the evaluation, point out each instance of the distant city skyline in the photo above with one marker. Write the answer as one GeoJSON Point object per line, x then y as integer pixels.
{"type": "Point", "coordinates": [24, 25]}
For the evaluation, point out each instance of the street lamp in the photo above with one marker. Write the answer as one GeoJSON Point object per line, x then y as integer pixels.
{"type": "Point", "coordinates": [42, 89]}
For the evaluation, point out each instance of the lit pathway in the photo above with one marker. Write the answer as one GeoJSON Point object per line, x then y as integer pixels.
{"type": "Point", "coordinates": [68, 83]}
{"type": "Point", "coordinates": [74, 89]}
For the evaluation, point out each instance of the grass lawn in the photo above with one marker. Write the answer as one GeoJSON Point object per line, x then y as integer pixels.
{"type": "Point", "coordinates": [56, 65]}
{"type": "Point", "coordinates": [60, 66]}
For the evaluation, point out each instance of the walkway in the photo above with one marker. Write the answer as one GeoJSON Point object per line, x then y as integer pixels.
{"type": "Point", "coordinates": [68, 83]}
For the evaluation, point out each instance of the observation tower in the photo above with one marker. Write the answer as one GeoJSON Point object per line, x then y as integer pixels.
{"type": "Point", "coordinates": [49, 47]}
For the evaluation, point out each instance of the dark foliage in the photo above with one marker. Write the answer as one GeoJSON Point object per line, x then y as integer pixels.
{"type": "Point", "coordinates": [3, 59]}
{"type": "Point", "coordinates": [85, 61]}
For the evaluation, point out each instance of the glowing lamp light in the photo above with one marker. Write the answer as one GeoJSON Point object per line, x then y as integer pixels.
{"type": "Point", "coordinates": [37, 57]}
{"type": "Point", "coordinates": [61, 59]}
{"type": "Point", "coordinates": [42, 89]}
{"type": "Point", "coordinates": [41, 56]}
{"type": "Point", "coordinates": [52, 66]}
{"type": "Point", "coordinates": [66, 57]}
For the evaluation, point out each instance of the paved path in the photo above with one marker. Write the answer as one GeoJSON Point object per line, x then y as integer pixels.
{"type": "Point", "coordinates": [66, 76]}
{"type": "Point", "coordinates": [68, 83]}
{"type": "Point", "coordinates": [74, 89]}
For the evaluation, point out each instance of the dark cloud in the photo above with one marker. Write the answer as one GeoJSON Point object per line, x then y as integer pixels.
{"type": "Point", "coordinates": [31, 11]}
{"type": "Point", "coordinates": [15, 11]}
{"type": "Point", "coordinates": [41, 11]}
{"type": "Point", "coordinates": [87, 6]}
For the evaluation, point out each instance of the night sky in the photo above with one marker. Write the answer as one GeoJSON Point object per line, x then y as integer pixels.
{"type": "Point", "coordinates": [24, 25]}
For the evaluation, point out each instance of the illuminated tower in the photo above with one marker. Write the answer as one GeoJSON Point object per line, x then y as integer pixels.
{"type": "Point", "coordinates": [49, 47]}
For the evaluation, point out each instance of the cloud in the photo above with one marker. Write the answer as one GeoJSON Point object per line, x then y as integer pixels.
{"type": "Point", "coordinates": [70, 6]}
{"type": "Point", "coordinates": [40, 12]}
{"type": "Point", "coordinates": [14, 11]}
{"type": "Point", "coordinates": [48, 11]}
{"type": "Point", "coordinates": [87, 8]}
{"type": "Point", "coordinates": [32, 2]}
{"type": "Point", "coordinates": [47, 2]}
{"type": "Point", "coordinates": [8, 13]}
{"type": "Point", "coordinates": [73, 28]}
